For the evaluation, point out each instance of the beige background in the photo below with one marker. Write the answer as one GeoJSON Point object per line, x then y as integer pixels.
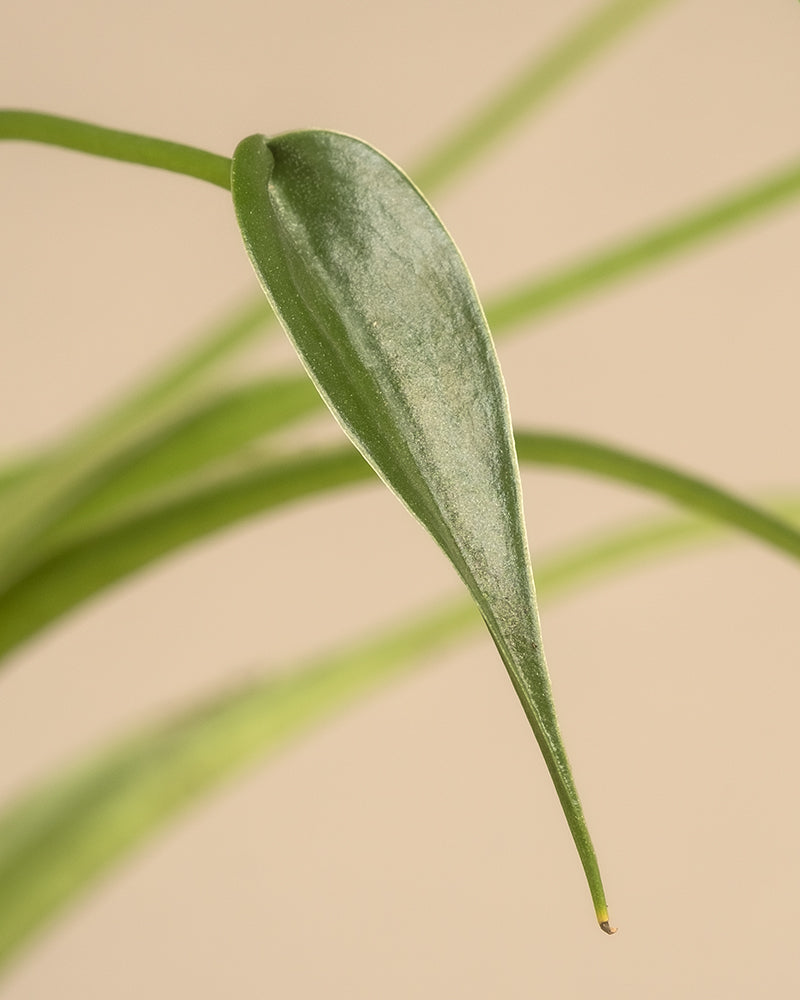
{"type": "Point", "coordinates": [414, 848]}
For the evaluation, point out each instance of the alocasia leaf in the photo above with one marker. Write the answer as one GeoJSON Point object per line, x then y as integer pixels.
{"type": "Point", "coordinates": [382, 310]}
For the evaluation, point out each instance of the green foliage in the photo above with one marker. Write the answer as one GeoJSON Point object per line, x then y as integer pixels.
{"type": "Point", "coordinates": [383, 312]}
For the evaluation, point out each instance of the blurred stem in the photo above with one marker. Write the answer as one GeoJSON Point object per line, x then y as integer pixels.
{"type": "Point", "coordinates": [563, 286]}
{"type": "Point", "coordinates": [38, 492]}
{"type": "Point", "coordinates": [529, 90]}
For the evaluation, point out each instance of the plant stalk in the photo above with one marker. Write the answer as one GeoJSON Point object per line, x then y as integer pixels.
{"type": "Point", "coordinates": [35, 126]}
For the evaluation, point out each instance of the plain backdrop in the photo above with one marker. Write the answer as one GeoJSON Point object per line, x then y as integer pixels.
{"type": "Point", "coordinates": [413, 847]}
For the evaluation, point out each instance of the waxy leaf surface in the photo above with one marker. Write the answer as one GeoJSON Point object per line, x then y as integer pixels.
{"type": "Point", "coordinates": [381, 308]}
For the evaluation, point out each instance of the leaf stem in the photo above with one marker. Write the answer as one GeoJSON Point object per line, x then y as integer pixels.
{"type": "Point", "coordinates": [35, 126]}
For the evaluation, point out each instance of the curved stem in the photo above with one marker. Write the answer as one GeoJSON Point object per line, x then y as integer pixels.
{"type": "Point", "coordinates": [73, 572]}
{"type": "Point", "coordinates": [691, 492]}
{"type": "Point", "coordinates": [34, 126]}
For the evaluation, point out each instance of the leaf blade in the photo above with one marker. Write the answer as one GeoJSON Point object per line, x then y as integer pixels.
{"type": "Point", "coordinates": [381, 309]}
{"type": "Point", "coordinates": [189, 448]}
{"type": "Point", "coordinates": [80, 569]}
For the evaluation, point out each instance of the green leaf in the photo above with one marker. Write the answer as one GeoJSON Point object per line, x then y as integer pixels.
{"type": "Point", "coordinates": [381, 308]}
{"type": "Point", "coordinates": [81, 568]}
{"type": "Point", "coordinates": [183, 454]}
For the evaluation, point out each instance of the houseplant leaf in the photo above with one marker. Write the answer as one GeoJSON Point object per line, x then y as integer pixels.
{"type": "Point", "coordinates": [379, 304]}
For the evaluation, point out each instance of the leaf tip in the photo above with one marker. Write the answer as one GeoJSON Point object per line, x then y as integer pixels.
{"type": "Point", "coordinates": [605, 925]}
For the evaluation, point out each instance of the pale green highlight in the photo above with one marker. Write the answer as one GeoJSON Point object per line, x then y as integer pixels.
{"type": "Point", "coordinates": [60, 837]}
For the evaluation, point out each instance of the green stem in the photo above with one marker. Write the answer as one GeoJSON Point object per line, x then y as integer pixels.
{"type": "Point", "coordinates": [33, 126]}
{"type": "Point", "coordinates": [598, 270]}
{"type": "Point", "coordinates": [529, 90]}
